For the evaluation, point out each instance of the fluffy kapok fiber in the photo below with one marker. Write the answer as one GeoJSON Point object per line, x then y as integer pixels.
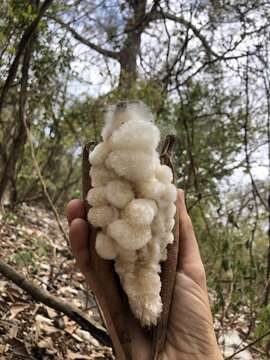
{"type": "Point", "coordinates": [132, 205]}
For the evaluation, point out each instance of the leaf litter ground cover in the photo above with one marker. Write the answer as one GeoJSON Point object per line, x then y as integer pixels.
{"type": "Point", "coordinates": [32, 244]}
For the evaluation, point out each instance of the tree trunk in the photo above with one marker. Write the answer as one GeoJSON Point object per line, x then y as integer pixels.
{"type": "Point", "coordinates": [21, 136]}
{"type": "Point", "coordinates": [132, 44]}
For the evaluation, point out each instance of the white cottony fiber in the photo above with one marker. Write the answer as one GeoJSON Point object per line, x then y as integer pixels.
{"type": "Point", "coordinates": [100, 175]}
{"type": "Point", "coordinates": [105, 246]}
{"type": "Point", "coordinates": [135, 135]}
{"type": "Point", "coordinates": [119, 193]}
{"type": "Point", "coordinates": [164, 174]}
{"type": "Point", "coordinates": [133, 165]}
{"type": "Point", "coordinates": [151, 189]}
{"type": "Point", "coordinates": [127, 236]}
{"type": "Point", "coordinates": [99, 154]}
{"type": "Point", "coordinates": [140, 212]}
{"type": "Point", "coordinates": [102, 216]}
{"type": "Point", "coordinates": [97, 196]}
{"type": "Point", "coordinates": [133, 205]}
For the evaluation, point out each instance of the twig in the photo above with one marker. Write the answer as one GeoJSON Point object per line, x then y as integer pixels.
{"type": "Point", "coordinates": [255, 189]}
{"type": "Point", "coordinates": [108, 53]}
{"type": "Point", "coordinates": [249, 345]}
{"type": "Point", "coordinates": [44, 187]}
{"type": "Point", "coordinates": [255, 193]}
{"type": "Point", "coordinates": [158, 15]}
{"type": "Point", "coordinates": [267, 87]}
{"type": "Point", "coordinates": [71, 311]}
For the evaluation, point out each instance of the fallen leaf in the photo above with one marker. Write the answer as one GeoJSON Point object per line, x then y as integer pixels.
{"type": "Point", "coordinates": [3, 348]}
{"type": "Point", "coordinates": [9, 327]}
{"type": "Point", "coordinates": [13, 331]}
{"type": "Point", "coordinates": [75, 356]}
{"type": "Point", "coordinates": [76, 337]}
{"type": "Point", "coordinates": [68, 290]}
{"type": "Point", "coordinates": [19, 348]}
{"type": "Point", "coordinates": [48, 329]}
{"type": "Point", "coordinates": [43, 319]}
{"type": "Point", "coordinates": [13, 294]}
{"type": "Point", "coordinates": [52, 313]}
{"type": "Point", "coordinates": [16, 309]}
{"type": "Point", "coordinates": [85, 335]}
{"type": "Point", "coordinates": [44, 324]}
{"type": "Point", "coordinates": [2, 286]}
{"type": "Point", "coordinates": [47, 344]}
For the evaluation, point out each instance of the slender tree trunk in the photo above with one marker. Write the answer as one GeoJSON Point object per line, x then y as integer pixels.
{"type": "Point", "coordinates": [20, 50]}
{"type": "Point", "coordinates": [21, 136]}
{"type": "Point", "coordinates": [132, 45]}
{"type": "Point", "coordinates": [267, 87]}
{"type": "Point", "coordinates": [25, 48]}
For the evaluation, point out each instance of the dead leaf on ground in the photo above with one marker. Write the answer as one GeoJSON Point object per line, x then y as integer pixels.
{"type": "Point", "coordinates": [2, 285]}
{"type": "Point", "coordinates": [75, 356]}
{"type": "Point", "coordinates": [43, 319]}
{"type": "Point", "coordinates": [13, 293]}
{"type": "Point", "coordinates": [19, 348]}
{"type": "Point", "coordinates": [16, 308]}
{"type": "Point", "coordinates": [47, 344]}
{"type": "Point", "coordinates": [86, 336]}
{"type": "Point", "coordinates": [51, 312]}
{"type": "Point", "coordinates": [9, 327]}
{"type": "Point", "coordinates": [3, 348]}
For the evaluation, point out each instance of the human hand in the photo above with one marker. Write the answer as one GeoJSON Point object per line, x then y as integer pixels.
{"type": "Point", "coordinates": [190, 333]}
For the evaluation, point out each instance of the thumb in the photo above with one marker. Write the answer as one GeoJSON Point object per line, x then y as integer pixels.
{"type": "Point", "coordinates": [189, 258]}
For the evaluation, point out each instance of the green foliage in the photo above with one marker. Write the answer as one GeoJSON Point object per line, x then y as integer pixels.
{"type": "Point", "coordinates": [31, 258]}
{"type": "Point", "coordinates": [207, 113]}
{"type": "Point", "coordinates": [24, 258]}
{"type": "Point", "coordinates": [150, 92]}
{"type": "Point", "coordinates": [263, 319]}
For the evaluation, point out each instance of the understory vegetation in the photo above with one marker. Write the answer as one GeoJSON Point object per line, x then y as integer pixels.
{"type": "Point", "coordinates": [203, 69]}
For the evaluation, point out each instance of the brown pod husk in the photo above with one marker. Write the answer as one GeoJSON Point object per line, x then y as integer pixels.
{"type": "Point", "coordinates": [168, 267]}
{"type": "Point", "coordinates": [105, 283]}
{"type": "Point", "coordinates": [106, 286]}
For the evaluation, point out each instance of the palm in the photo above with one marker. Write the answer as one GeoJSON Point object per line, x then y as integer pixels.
{"type": "Point", "coordinates": [190, 330]}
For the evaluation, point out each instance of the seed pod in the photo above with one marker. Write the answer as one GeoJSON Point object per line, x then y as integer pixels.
{"type": "Point", "coordinates": [144, 224]}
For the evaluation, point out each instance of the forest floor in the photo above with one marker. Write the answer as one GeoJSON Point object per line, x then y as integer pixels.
{"type": "Point", "coordinates": [31, 242]}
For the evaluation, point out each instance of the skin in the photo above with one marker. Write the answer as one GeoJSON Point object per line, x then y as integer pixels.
{"type": "Point", "coordinates": [190, 334]}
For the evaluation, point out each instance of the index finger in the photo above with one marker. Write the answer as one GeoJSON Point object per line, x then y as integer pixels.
{"type": "Point", "coordinates": [75, 209]}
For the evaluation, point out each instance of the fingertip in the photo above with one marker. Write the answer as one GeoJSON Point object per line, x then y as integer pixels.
{"type": "Point", "coordinates": [189, 253]}
{"type": "Point", "coordinates": [181, 203]}
{"type": "Point", "coordinates": [78, 235]}
{"type": "Point", "coordinates": [75, 209]}
{"type": "Point", "coordinates": [79, 240]}
{"type": "Point", "coordinates": [181, 193]}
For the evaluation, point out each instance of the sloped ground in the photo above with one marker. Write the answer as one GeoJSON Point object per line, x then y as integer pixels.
{"type": "Point", "coordinates": [30, 241]}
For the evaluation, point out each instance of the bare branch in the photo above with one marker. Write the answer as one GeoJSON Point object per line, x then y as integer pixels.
{"type": "Point", "coordinates": [245, 127]}
{"type": "Point", "coordinates": [43, 184]}
{"type": "Point", "coordinates": [112, 54]}
{"type": "Point", "coordinates": [69, 310]}
{"type": "Point", "coordinates": [249, 345]}
{"type": "Point", "coordinates": [158, 15]}
{"type": "Point", "coordinates": [267, 86]}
